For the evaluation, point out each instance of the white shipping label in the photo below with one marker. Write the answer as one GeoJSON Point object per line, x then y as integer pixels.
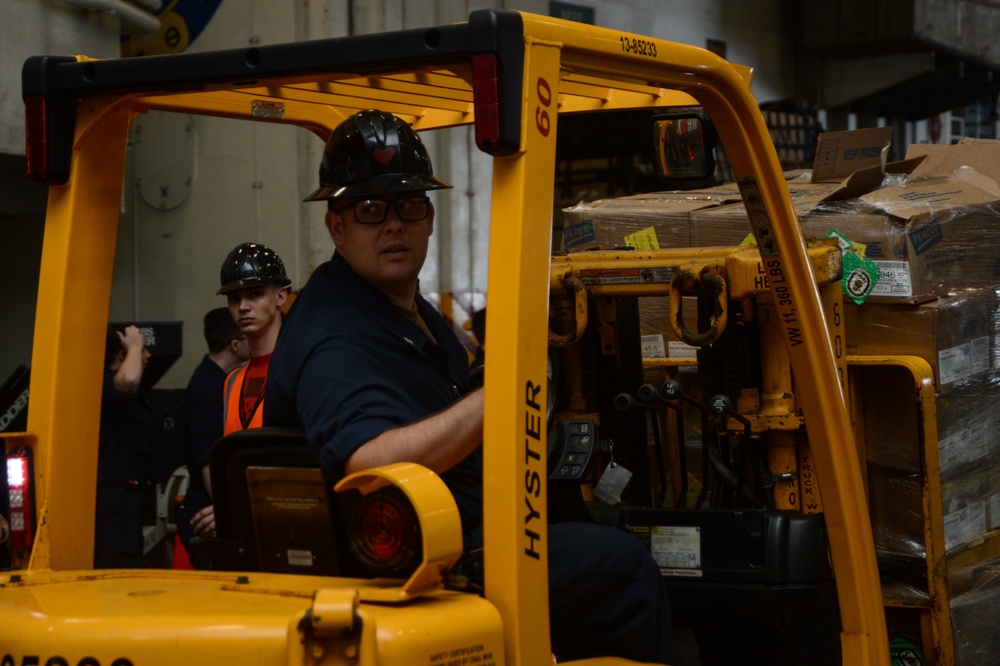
{"type": "Point", "coordinates": [893, 279]}
{"type": "Point", "coordinates": [980, 355]}
{"type": "Point", "coordinates": [680, 349]}
{"type": "Point", "coordinates": [652, 346]}
{"type": "Point", "coordinates": [955, 364]}
{"type": "Point", "coordinates": [964, 525]}
{"type": "Point", "coordinates": [979, 440]}
{"type": "Point", "coordinates": [300, 558]}
{"type": "Point", "coordinates": [953, 450]}
{"type": "Point", "coordinates": [677, 550]}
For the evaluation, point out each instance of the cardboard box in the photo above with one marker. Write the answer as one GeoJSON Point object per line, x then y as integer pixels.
{"type": "Point", "coordinates": [892, 436]}
{"type": "Point", "coordinates": [839, 154]}
{"type": "Point", "coordinates": [728, 224]}
{"type": "Point", "coordinates": [930, 236]}
{"type": "Point", "coordinates": [980, 154]}
{"type": "Point", "coordinates": [657, 335]}
{"type": "Point", "coordinates": [965, 500]}
{"type": "Point", "coordinates": [956, 335]}
{"type": "Point", "coordinates": [606, 223]}
{"type": "Point", "coordinates": [967, 421]}
{"type": "Point", "coordinates": [895, 503]}
{"type": "Point", "coordinates": [973, 613]}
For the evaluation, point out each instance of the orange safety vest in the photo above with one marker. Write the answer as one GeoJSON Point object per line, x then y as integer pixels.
{"type": "Point", "coordinates": [232, 399]}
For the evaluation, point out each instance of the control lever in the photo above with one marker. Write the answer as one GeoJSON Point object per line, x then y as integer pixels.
{"type": "Point", "coordinates": [624, 402]}
{"type": "Point", "coordinates": [648, 393]}
{"type": "Point", "coordinates": [723, 406]}
{"type": "Point", "coordinates": [673, 392]}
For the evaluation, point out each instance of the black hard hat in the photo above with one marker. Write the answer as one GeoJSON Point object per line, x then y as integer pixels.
{"type": "Point", "coordinates": [374, 152]}
{"type": "Point", "coordinates": [251, 265]}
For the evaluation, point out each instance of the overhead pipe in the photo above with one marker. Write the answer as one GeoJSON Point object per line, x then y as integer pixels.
{"type": "Point", "coordinates": [129, 13]}
{"type": "Point", "coordinates": [152, 5]}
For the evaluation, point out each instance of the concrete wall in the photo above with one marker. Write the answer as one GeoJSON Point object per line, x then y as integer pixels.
{"type": "Point", "coordinates": [31, 27]}
{"type": "Point", "coordinates": [245, 181]}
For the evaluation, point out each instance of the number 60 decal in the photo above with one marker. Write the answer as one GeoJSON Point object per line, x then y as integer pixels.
{"type": "Point", "coordinates": [542, 120]}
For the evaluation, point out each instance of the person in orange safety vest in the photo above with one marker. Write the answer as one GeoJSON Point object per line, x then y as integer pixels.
{"type": "Point", "coordinates": [254, 282]}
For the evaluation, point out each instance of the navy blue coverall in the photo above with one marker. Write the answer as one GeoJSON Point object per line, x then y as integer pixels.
{"type": "Point", "coordinates": [123, 469]}
{"type": "Point", "coordinates": [348, 366]}
{"type": "Point", "coordinates": [201, 426]}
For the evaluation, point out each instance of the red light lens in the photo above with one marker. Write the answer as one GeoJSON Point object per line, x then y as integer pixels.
{"type": "Point", "coordinates": [35, 121]}
{"type": "Point", "coordinates": [486, 100]}
{"type": "Point", "coordinates": [385, 534]}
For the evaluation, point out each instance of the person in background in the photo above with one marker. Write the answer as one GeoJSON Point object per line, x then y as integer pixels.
{"type": "Point", "coordinates": [375, 375]}
{"type": "Point", "coordinates": [202, 415]}
{"type": "Point", "coordinates": [125, 453]}
{"type": "Point", "coordinates": [255, 284]}
{"type": "Point", "coordinates": [477, 366]}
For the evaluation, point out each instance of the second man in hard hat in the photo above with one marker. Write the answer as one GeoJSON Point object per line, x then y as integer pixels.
{"type": "Point", "coordinates": [255, 284]}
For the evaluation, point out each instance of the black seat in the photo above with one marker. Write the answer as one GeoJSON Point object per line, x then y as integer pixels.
{"type": "Point", "coordinates": [272, 505]}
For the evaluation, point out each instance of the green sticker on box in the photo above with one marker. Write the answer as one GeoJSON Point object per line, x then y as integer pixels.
{"type": "Point", "coordinates": [904, 653]}
{"type": "Point", "coordinates": [860, 272]}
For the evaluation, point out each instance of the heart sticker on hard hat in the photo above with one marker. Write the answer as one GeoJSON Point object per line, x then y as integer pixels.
{"type": "Point", "coordinates": [384, 155]}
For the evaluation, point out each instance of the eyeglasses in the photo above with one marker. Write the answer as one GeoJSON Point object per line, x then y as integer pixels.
{"type": "Point", "coordinates": [374, 211]}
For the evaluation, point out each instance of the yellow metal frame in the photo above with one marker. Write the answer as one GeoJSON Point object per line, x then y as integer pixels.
{"type": "Point", "coordinates": [568, 67]}
{"type": "Point", "coordinates": [938, 647]}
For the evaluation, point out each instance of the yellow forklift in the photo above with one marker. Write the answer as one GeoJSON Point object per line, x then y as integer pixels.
{"type": "Point", "coordinates": [512, 76]}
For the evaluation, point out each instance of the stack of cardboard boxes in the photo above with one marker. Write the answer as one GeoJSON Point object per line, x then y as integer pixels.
{"type": "Point", "coordinates": [931, 223]}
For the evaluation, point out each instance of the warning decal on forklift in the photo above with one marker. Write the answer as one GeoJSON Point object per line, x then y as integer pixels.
{"type": "Point", "coordinates": [463, 656]}
{"type": "Point", "coordinates": [677, 550]}
{"type": "Point", "coordinates": [767, 244]}
{"type": "Point", "coordinates": [636, 275]}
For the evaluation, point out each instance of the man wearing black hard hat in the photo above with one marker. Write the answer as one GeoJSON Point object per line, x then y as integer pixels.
{"type": "Point", "coordinates": [254, 282]}
{"type": "Point", "coordinates": [375, 376]}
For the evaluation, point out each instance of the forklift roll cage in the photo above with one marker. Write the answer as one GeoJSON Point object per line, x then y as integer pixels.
{"type": "Point", "coordinates": [510, 75]}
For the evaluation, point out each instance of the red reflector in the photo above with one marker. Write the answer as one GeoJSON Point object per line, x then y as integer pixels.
{"type": "Point", "coordinates": [486, 100]}
{"type": "Point", "coordinates": [385, 534]}
{"type": "Point", "coordinates": [35, 117]}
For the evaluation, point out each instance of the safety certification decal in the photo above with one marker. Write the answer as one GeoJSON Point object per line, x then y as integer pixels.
{"type": "Point", "coordinates": [635, 275]}
{"type": "Point", "coordinates": [677, 550]}
{"type": "Point", "coordinates": [263, 108]}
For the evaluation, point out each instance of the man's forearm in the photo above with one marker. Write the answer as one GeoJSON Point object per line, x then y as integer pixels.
{"type": "Point", "coordinates": [129, 375]}
{"type": "Point", "coordinates": [438, 442]}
